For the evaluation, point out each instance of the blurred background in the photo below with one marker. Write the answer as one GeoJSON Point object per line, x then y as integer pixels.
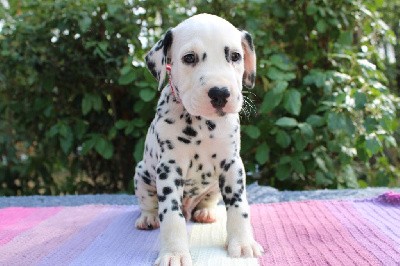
{"type": "Point", "coordinates": [76, 99]}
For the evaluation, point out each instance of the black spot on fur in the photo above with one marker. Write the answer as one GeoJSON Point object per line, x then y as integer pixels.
{"type": "Point", "coordinates": [169, 144]}
{"type": "Point", "coordinates": [214, 155]}
{"type": "Point", "coordinates": [221, 181]}
{"type": "Point", "coordinates": [178, 182]}
{"type": "Point", "coordinates": [226, 51]}
{"type": "Point", "coordinates": [198, 142]}
{"type": "Point", "coordinates": [196, 156]}
{"type": "Point", "coordinates": [210, 125]}
{"type": "Point", "coordinates": [249, 40]}
{"type": "Point", "coordinates": [188, 119]}
{"type": "Point", "coordinates": [179, 170]}
{"type": "Point", "coordinates": [152, 68]}
{"type": "Point", "coordinates": [240, 172]}
{"type": "Point", "coordinates": [167, 42]}
{"type": "Point", "coordinates": [169, 121]}
{"type": "Point", "coordinates": [146, 180]}
{"type": "Point", "coordinates": [228, 189]}
{"type": "Point", "coordinates": [167, 190]}
{"type": "Point", "coordinates": [189, 131]}
{"type": "Point", "coordinates": [161, 217]}
{"type": "Point", "coordinates": [186, 141]}
{"type": "Point", "coordinates": [161, 198]}
{"type": "Point", "coordinates": [227, 166]}
{"type": "Point", "coordinates": [175, 205]}
{"type": "Point", "coordinates": [222, 163]}
{"type": "Point", "coordinates": [171, 161]}
{"type": "Point", "coordinates": [204, 56]}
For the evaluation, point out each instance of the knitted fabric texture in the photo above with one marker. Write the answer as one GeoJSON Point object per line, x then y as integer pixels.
{"type": "Point", "coordinates": [351, 232]}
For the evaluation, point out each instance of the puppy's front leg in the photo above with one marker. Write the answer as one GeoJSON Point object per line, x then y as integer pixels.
{"type": "Point", "coordinates": [173, 235]}
{"type": "Point", "coordinates": [240, 240]}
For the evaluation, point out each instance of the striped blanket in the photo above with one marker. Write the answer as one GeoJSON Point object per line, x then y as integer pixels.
{"type": "Point", "coordinates": [352, 232]}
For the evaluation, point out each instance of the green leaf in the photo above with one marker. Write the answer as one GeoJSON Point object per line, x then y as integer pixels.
{"type": "Point", "coordinates": [298, 166]}
{"type": "Point", "coordinates": [336, 122]}
{"type": "Point", "coordinates": [120, 124]}
{"type": "Point", "coordinates": [360, 100]}
{"type": "Point", "coordinates": [321, 179]}
{"type": "Point", "coordinates": [127, 78]}
{"type": "Point", "coordinates": [66, 143]}
{"type": "Point", "coordinates": [88, 145]}
{"type": "Point", "coordinates": [283, 172]}
{"type": "Point", "coordinates": [300, 142]}
{"type": "Point", "coordinates": [346, 38]}
{"type": "Point", "coordinates": [286, 122]}
{"type": "Point", "coordinates": [373, 145]}
{"type": "Point", "coordinates": [139, 147]}
{"type": "Point", "coordinates": [321, 26]}
{"type": "Point", "coordinates": [147, 94]}
{"type": "Point", "coordinates": [311, 9]}
{"type": "Point", "coordinates": [282, 62]}
{"type": "Point", "coordinates": [276, 74]}
{"type": "Point", "coordinates": [315, 120]}
{"type": "Point", "coordinates": [306, 130]}
{"type": "Point", "coordinates": [292, 101]}
{"type": "Point", "coordinates": [262, 153]}
{"type": "Point", "coordinates": [283, 139]}
{"type": "Point", "coordinates": [273, 97]}
{"type": "Point", "coordinates": [97, 104]}
{"type": "Point", "coordinates": [86, 104]}
{"type": "Point", "coordinates": [252, 131]}
{"type": "Point", "coordinates": [84, 23]}
{"type": "Point", "coordinates": [104, 148]}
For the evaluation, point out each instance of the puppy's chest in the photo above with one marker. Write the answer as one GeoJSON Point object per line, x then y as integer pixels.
{"type": "Point", "coordinates": [199, 145]}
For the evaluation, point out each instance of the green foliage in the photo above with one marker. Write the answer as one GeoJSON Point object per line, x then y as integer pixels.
{"type": "Point", "coordinates": [74, 109]}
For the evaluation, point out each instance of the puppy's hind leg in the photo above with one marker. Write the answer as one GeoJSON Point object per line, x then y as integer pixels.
{"type": "Point", "coordinates": [205, 211]}
{"type": "Point", "coordinates": [146, 192]}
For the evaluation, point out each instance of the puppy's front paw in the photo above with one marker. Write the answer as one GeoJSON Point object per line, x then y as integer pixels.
{"type": "Point", "coordinates": [174, 259]}
{"type": "Point", "coordinates": [147, 221]}
{"type": "Point", "coordinates": [244, 248]}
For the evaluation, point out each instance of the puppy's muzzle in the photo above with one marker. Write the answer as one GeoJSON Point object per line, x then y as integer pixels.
{"type": "Point", "coordinates": [218, 96]}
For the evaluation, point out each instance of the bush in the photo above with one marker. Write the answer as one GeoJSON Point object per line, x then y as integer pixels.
{"type": "Point", "coordinates": [75, 110]}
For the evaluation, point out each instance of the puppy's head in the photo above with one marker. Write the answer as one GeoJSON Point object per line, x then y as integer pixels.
{"type": "Point", "coordinates": [210, 60]}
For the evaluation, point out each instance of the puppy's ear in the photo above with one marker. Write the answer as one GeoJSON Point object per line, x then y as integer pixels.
{"type": "Point", "coordinates": [249, 74]}
{"type": "Point", "coordinates": [159, 56]}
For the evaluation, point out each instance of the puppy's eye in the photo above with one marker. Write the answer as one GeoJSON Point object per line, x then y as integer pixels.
{"type": "Point", "coordinates": [235, 57]}
{"type": "Point", "coordinates": [189, 58]}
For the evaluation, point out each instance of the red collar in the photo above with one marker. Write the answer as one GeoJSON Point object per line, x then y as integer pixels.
{"type": "Point", "coordinates": [176, 96]}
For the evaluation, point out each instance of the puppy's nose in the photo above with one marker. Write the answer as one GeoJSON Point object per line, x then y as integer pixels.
{"type": "Point", "coordinates": [218, 96]}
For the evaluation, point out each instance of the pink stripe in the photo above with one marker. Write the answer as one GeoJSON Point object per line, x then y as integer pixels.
{"type": "Point", "coordinates": [14, 221]}
{"type": "Point", "coordinates": [305, 233]}
{"type": "Point", "coordinates": [10, 216]}
{"type": "Point", "coordinates": [31, 246]}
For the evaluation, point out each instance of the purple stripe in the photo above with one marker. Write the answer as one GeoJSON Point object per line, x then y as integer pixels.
{"type": "Point", "coordinates": [385, 217]}
{"type": "Point", "coordinates": [365, 233]}
{"type": "Point", "coordinates": [81, 240]}
{"type": "Point", "coordinates": [121, 243]}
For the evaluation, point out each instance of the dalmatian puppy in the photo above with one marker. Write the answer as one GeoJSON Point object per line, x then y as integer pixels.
{"type": "Point", "coordinates": [192, 148]}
